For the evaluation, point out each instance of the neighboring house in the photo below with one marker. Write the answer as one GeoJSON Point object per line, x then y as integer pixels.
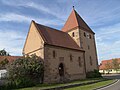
{"type": "Point", "coordinates": [106, 66]}
{"type": "Point", "coordinates": [3, 70]}
{"type": "Point", "coordinates": [68, 53]}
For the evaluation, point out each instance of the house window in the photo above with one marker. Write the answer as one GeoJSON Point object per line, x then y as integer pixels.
{"type": "Point", "coordinates": [54, 55]}
{"type": "Point", "coordinates": [71, 57]}
{"type": "Point", "coordinates": [90, 60]}
{"type": "Point", "coordinates": [73, 34]}
{"type": "Point", "coordinates": [79, 61]}
{"type": "Point", "coordinates": [84, 34]}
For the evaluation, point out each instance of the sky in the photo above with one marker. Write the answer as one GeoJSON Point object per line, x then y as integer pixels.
{"type": "Point", "coordinates": [103, 17]}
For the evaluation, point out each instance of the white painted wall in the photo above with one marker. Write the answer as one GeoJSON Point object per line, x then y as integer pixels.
{"type": "Point", "coordinates": [3, 73]}
{"type": "Point", "coordinates": [110, 71]}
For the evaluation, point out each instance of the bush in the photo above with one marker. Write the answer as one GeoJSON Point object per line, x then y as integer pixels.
{"type": "Point", "coordinates": [3, 63]}
{"type": "Point", "coordinates": [93, 74]}
{"type": "Point", "coordinates": [26, 71]}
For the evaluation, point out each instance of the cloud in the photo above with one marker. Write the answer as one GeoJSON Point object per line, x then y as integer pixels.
{"type": "Point", "coordinates": [12, 41]}
{"type": "Point", "coordinates": [14, 2]}
{"type": "Point", "coordinates": [108, 41]}
{"type": "Point", "coordinates": [39, 7]}
{"type": "Point", "coordinates": [14, 17]}
{"type": "Point", "coordinates": [100, 12]}
{"type": "Point", "coordinates": [95, 15]}
{"type": "Point", "coordinates": [108, 51]}
{"type": "Point", "coordinates": [102, 15]}
{"type": "Point", "coordinates": [109, 32]}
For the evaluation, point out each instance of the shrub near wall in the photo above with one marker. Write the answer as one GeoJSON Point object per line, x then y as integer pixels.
{"type": "Point", "coordinates": [93, 74]}
{"type": "Point", "coordinates": [26, 71]}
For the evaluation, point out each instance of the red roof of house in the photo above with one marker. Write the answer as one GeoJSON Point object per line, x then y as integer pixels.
{"type": "Point", "coordinates": [9, 58]}
{"type": "Point", "coordinates": [73, 21]}
{"type": "Point", "coordinates": [104, 62]}
{"type": "Point", "coordinates": [56, 37]}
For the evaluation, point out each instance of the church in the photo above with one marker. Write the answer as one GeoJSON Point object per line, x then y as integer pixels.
{"type": "Point", "coordinates": [68, 54]}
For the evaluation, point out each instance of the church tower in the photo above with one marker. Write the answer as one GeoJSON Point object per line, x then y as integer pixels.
{"type": "Point", "coordinates": [82, 34]}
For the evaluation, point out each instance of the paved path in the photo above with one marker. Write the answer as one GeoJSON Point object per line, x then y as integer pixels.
{"type": "Point", "coordinates": [115, 86]}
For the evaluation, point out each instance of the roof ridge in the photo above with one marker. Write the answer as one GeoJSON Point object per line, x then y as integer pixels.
{"type": "Point", "coordinates": [50, 28]}
{"type": "Point", "coordinates": [82, 20]}
{"type": "Point", "coordinates": [75, 20]}
{"type": "Point", "coordinates": [68, 20]}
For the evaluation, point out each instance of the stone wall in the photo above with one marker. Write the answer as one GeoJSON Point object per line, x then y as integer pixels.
{"type": "Point", "coordinates": [72, 69]}
{"type": "Point", "coordinates": [86, 41]}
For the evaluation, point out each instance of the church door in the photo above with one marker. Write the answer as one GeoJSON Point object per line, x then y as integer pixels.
{"type": "Point", "coordinates": [61, 69]}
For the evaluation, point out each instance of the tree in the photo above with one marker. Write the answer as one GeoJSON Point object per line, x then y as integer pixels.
{"type": "Point", "coordinates": [26, 71]}
{"type": "Point", "coordinates": [108, 66]}
{"type": "Point", "coordinates": [4, 53]}
{"type": "Point", "coordinates": [115, 64]}
{"type": "Point", "coordinates": [3, 63]}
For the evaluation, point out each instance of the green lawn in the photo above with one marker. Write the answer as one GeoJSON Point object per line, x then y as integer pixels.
{"type": "Point", "coordinates": [38, 87]}
{"type": "Point", "coordinates": [91, 86]}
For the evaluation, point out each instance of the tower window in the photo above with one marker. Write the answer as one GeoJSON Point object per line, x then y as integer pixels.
{"type": "Point", "coordinates": [90, 60]}
{"type": "Point", "coordinates": [84, 34]}
{"type": "Point", "coordinates": [54, 55]}
{"type": "Point", "coordinates": [90, 36]}
{"type": "Point", "coordinates": [79, 61]}
{"type": "Point", "coordinates": [73, 34]}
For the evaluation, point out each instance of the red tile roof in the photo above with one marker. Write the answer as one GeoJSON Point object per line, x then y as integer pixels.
{"type": "Point", "coordinates": [62, 38]}
{"type": "Point", "coordinates": [9, 58]}
{"type": "Point", "coordinates": [104, 62]}
{"type": "Point", "coordinates": [56, 37]}
{"type": "Point", "coordinates": [74, 20]}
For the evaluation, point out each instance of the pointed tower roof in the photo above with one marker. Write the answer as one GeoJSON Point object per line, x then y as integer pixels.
{"type": "Point", "coordinates": [73, 21]}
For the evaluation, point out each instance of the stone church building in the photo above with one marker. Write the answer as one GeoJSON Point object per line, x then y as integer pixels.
{"type": "Point", "coordinates": [68, 53]}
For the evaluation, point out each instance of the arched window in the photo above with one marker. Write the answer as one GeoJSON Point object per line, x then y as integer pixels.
{"type": "Point", "coordinates": [54, 55]}
{"type": "Point", "coordinates": [61, 69]}
{"type": "Point", "coordinates": [73, 34]}
{"type": "Point", "coordinates": [79, 61]}
{"type": "Point", "coordinates": [90, 60]}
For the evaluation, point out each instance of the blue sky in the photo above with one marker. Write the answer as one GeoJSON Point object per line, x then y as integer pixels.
{"type": "Point", "coordinates": [103, 16]}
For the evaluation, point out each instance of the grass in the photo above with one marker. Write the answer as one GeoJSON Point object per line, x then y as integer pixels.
{"type": "Point", "coordinates": [42, 86]}
{"type": "Point", "coordinates": [91, 86]}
